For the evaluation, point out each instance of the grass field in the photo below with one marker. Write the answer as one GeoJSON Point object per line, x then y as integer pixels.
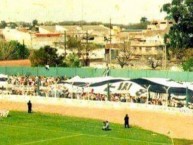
{"type": "Point", "coordinates": [21, 128]}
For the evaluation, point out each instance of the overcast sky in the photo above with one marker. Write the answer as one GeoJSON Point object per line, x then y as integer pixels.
{"type": "Point", "coordinates": [120, 11]}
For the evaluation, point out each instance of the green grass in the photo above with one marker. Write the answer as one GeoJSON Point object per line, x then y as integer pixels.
{"type": "Point", "coordinates": [21, 128]}
{"type": "Point", "coordinates": [183, 142]}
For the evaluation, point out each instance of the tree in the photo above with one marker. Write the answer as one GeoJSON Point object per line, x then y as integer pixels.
{"type": "Point", "coordinates": [13, 50]}
{"type": "Point", "coordinates": [87, 48]}
{"type": "Point", "coordinates": [25, 24]}
{"type": "Point", "coordinates": [82, 47]}
{"type": "Point", "coordinates": [3, 24]}
{"type": "Point", "coordinates": [46, 56]}
{"type": "Point", "coordinates": [154, 63]}
{"type": "Point", "coordinates": [124, 55]}
{"type": "Point", "coordinates": [73, 42]}
{"type": "Point", "coordinates": [72, 60]}
{"type": "Point", "coordinates": [188, 65]}
{"type": "Point", "coordinates": [12, 25]}
{"type": "Point", "coordinates": [34, 23]}
{"type": "Point", "coordinates": [143, 20]}
{"type": "Point", "coordinates": [180, 35]}
{"type": "Point", "coordinates": [19, 50]}
{"type": "Point", "coordinates": [187, 54]}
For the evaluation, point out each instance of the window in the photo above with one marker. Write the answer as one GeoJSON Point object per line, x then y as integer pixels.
{"type": "Point", "coordinates": [163, 22]}
{"type": "Point", "coordinates": [159, 48]}
{"type": "Point", "coordinates": [148, 49]}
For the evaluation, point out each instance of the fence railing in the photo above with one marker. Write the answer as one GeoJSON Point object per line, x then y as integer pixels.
{"type": "Point", "coordinates": [95, 72]}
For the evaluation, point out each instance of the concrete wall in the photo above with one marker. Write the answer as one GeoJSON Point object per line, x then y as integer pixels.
{"type": "Point", "coordinates": [95, 104]}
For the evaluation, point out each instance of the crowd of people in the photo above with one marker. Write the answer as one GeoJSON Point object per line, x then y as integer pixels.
{"type": "Point", "coordinates": [49, 87]}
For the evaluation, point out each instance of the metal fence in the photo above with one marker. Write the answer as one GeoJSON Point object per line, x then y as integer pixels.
{"type": "Point", "coordinates": [95, 72]}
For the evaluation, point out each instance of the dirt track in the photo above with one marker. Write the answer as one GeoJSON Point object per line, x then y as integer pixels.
{"type": "Point", "coordinates": [179, 126]}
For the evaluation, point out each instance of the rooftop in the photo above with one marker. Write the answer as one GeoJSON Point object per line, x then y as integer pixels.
{"type": "Point", "coordinates": [51, 29]}
{"type": "Point", "coordinates": [25, 62]}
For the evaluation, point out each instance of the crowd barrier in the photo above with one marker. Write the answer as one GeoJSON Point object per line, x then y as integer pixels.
{"type": "Point", "coordinates": [96, 104]}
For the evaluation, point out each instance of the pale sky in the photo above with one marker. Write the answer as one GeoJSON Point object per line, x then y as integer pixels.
{"type": "Point", "coordinates": [120, 11]}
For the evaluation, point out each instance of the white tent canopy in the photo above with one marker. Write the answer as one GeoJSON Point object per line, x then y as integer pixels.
{"type": "Point", "coordinates": [3, 76]}
{"type": "Point", "coordinates": [99, 85]}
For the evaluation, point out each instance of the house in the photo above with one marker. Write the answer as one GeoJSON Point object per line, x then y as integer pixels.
{"type": "Point", "coordinates": [20, 35]}
{"type": "Point", "coordinates": [148, 42]}
{"type": "Point", "coordinates": [47, 29]}
{"type": "Point", "coordinates": [32, 40]}
{"type": "Point", "coordinates": [160, 25]}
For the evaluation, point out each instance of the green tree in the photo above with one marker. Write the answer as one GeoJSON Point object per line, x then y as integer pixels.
{"type": "Point", "coordinates": [46, 56]}
{"type": "Point", "coordinates": [143, 20]}
{"type": "Point", "coordinates": [188, 65]}
{"type": "Point", "coordinates": [19, 50]}
{"type": "Point", "coordinates": [13, 50]}
{"type": "Point", "coordinates": [3, 24]}
{"type": "Point", "coordinates": [82, 46]}
{"type": "Point", "coordinates": [72, 60]}
{"type": "Point", "coordinates": [5, 50]}
{"type": "Point", "coordinates": [25, 24]}
{"type": "Point", "coordinates": [73, 42]}
{"type": "Point", "coordinates": [12, 25]}
{"type": "Point", "coordinates": [34, 23]}
{"type": "Point", "coordinates": [180, 35]}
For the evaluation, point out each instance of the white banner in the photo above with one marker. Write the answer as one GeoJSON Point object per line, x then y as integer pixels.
{"type": "Point", "coordinates": [123, 87]}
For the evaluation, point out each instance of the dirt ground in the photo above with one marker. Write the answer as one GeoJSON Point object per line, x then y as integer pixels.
{"type": "Point", "coordinates": [174, 125]}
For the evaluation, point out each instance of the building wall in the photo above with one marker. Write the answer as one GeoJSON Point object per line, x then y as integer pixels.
{"type": "Point", "coordinates": [160, 25]}
{"type": "Point", "coordinates": [147, 49]}
{"type": "Point", "coordinates": [14, 34]}
{"type": "Point", "coordinates": [38, 42]}
{"type": "Point", "coordinates": [43, 31]}
{"type": "Point", "coordinates": [30, 40]}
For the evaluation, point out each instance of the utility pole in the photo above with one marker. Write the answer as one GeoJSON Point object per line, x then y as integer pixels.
{"type": "Point", "coordinates": [65, 43]}
{"type": "Point", "coordinates": [87, 60]}
{"type": "Point", "coordinates": [108, 85]}
{"type": "Point", "coordinates": [31, 39]}
{"type": "Point", "coordinates": [23, 47]}
{"type": "Point", "coordinates": [165, 50]}
{"type": "Point", "coordinates": [109, 61]}
{"type": "Point", "coordinates": [107, 65]}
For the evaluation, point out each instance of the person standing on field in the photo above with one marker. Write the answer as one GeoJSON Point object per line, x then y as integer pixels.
{"type": "Point", "coordinates": [126, 119]}
{"type": "Point", "coordinates": [29, 104]}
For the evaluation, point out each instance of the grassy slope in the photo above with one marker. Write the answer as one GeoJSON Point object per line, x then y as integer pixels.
{"type": "Point", "coordinates": [44, 129]}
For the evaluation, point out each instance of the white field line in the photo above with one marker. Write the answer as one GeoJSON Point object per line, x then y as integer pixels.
{"type": "Point", "coordinates": [14, 126]}
{"type": "Point", "coordinates": [52, 139]}
{"type": "Point", "coordinates": [159, 143]}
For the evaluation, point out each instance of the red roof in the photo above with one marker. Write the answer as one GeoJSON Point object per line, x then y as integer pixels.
{"type": "Point", "coordinates": [25, 62]}
{"type": "Point", "coordinates": [48, 35]}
